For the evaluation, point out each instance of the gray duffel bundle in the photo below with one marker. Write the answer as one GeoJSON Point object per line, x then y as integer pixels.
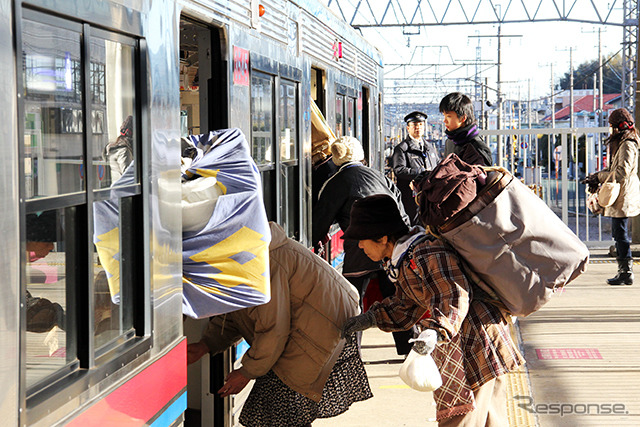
{"type": "Point", "coordinates": [515, 244]}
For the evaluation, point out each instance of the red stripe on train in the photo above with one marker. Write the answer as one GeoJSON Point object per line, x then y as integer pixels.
{"type": "Point", "coordinates": [143, 396]}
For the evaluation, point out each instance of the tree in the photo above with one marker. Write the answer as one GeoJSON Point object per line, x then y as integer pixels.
{"type": "Point", "coordinates": [583, 75]}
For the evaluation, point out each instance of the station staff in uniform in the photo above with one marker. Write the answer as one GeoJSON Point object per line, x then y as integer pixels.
{"type": "Point", "coordinates": [411, 157]}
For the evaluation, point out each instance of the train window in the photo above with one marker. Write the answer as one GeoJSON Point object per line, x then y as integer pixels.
{"type": "Point", "coordinates": [53, 134]}
{"type": "Point", "coordinates": [339, 115]}
{"type": "Point", "coordinates": [262, 118]}
{"type": "Point", "coordinates": [289, 198]}
{"type": "Point", "coordinates": [83, 198]}
{"type": "Point", "coordinates": [288, 122]}
{"type": "Point", "coordinates": [50, 339]}
{"type": "Point", "coordinates": [112, 109]}
{"type": "Point", "coordinates": [351, 123]}
{"type": "Point", "coordinates": [113, 67]}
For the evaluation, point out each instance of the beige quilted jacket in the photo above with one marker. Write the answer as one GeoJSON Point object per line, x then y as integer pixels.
{"type": "Point", "coordinates": [625, 165]}
{"type": "Point", "coordinates": [297, 333]}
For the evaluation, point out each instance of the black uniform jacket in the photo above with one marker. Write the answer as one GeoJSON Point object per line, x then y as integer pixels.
{"type": "Point", "coordinates": [408, 161]}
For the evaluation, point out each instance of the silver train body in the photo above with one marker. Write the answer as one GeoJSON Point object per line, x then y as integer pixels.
{"type": "Point", "coordinates": [76, 76]}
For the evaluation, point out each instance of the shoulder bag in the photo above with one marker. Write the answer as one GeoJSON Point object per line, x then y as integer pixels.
{"type": "Point", "coordinates": [608, 191]}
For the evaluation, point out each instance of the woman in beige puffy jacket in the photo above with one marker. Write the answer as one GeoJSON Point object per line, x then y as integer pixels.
{"type": "Point", "coordinates": [303, 369]}
{"type": "Point", "coordinates": [623, 149]}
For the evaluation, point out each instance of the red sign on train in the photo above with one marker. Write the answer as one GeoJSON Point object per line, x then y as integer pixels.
{"type": "Point", "coordinates": [240, 66]}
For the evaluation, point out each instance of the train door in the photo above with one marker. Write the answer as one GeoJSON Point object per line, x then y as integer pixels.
{"type": "Point", "coordinates": [323, 167]}
{"type": "Point", "coordinates": [203, 107]}
{"type": "Point", "coordinates": [203, 85]}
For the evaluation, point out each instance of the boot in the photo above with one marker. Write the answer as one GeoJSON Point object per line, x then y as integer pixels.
{"type": "Point", "coordinates": [625, 273]}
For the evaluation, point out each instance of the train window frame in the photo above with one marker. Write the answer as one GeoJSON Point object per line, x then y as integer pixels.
{"type": "Point", "coordinates": [91, 365]}
{"type": "Point", "coordinates": [289, 169]}
{"type": "Point", "coordinates": [274, 173]}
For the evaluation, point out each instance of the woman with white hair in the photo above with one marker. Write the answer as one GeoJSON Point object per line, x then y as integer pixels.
{"type": "Point", "coordinates": [351, 182]}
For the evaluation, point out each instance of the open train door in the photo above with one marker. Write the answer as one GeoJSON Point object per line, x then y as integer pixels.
{"type": "Point", "coordinates": [203, 107]}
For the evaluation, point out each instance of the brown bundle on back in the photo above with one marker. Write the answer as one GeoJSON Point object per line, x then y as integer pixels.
{"type": "Point", "coordinates": [447, 189]}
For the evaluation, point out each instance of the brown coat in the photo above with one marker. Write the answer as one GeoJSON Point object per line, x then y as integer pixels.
{"type": "Point", "coordinates": [297, 333]}
{"type": "Point", "coordinates": [625, 165]}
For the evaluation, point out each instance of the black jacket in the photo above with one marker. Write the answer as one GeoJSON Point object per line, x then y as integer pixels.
{"type": "Point", "coordinates": [353, 181]}
{"type": "Point", "coordinates": [408, 161]}
{"type": "Point", "coordinates": [469, 146]}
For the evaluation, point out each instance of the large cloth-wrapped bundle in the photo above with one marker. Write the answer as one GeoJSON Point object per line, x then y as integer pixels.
{"type": "Point", "coordinates": [321, 135]}
{"type": "Point", "coordinates": [516, 246]}
{"type": "Point", "coordinates": [225, 255]}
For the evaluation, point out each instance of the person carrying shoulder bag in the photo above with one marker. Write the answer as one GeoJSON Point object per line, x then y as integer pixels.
{"type": "Point", "coordinates": [623, 147]}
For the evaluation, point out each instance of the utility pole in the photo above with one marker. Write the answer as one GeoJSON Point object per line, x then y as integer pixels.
{"type": "Point", "coordinates": [530, 145]}
{"type": "Point", "coordinates": [500, 36]}
{"type": "Point", "coordinates": [552, 137]}
{"type": "Point", "coordinates": [600, 89]}
{"type": "Point", "coordinates": [486, 96]}
{"type": "Point", "coordinates": [499, 118]}
{"type": "Point", "coordinates": [572, 123]}
{"type": "Point", "coordinates": [571, 109]}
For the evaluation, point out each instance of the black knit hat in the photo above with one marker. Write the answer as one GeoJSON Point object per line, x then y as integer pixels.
{"type": "Point", "coordinates": [373, 217]}
{"type": "Point", "coordinates": [621, 119]}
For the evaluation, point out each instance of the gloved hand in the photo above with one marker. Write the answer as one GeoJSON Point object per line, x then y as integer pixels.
{"type": "Point", "coordinates": [358, 323]}
{"type": "Point", "coordinates": [426, 341]}
{"type": "Point", "coordinates": [592, 182]}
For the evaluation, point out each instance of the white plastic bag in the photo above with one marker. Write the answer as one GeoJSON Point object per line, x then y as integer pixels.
{"type": "Point", "coordinates": [419, 371]}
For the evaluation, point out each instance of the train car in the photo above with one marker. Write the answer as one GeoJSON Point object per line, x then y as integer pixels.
{"type": "Point", "coordinates": [97, 95]}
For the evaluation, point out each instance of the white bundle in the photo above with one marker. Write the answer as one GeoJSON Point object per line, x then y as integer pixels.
{"type": "Point", "coordinates": [199, 197]}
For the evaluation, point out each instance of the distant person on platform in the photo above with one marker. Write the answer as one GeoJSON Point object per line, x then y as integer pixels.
{"type": "Point", "coordinates": [412, 156]}
{"type": "Point", "coordinates": [462, 131]}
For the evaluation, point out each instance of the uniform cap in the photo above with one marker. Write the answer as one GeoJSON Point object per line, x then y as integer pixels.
{"type": "Point", "coordinates": [415, 116]}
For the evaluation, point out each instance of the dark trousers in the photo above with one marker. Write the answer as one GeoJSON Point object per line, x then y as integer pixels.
{"type": "Point", "coordinates": [387, 288]}
{"type": "Point", "coordinates": [620, 235]}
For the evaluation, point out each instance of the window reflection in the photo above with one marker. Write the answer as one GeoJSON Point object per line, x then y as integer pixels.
{"type": "Point", "coordinates": [288, 124]}
{"type": "Point", "coordinates": [112, 315]}
{"type": "Point", "coordinates": [262, 118]}
{"type": "Point", "coordinates": [289, 197]}
{"type": "Point", "coordinates": [351, 123]}
{"type": "Point", "coordinates": [112, 103]}
{"type": "Point", "coordinates": [49, 342]}
{"type": "Point", "coordinates": [55, 142]}
{"type": "Point", "coordinates": [53, 147]}
{"type": "Point", "coordinates": [339, 115]}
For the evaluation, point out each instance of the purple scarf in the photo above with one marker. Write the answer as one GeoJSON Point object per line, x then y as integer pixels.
{"type": "Point", "coordinates": [463, 134]}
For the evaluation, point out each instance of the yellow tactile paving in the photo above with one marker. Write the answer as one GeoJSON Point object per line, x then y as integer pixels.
{"type": "Point", "coordinates": [518, 385]}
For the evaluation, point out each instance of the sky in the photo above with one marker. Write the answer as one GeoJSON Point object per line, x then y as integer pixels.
{"type": "Point", "coordinates": [526, 59]}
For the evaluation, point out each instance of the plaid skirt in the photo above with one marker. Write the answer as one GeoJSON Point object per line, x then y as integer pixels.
{"type": "Point", "coordinates": [272, 403]}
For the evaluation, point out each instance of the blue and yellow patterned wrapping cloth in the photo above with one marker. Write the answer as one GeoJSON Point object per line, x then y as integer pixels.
{"type": "Point", "coordinates": [226, 263]}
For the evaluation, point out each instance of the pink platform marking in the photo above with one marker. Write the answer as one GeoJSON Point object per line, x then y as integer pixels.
{"type": "Point", "coordinates": [568, 353]}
